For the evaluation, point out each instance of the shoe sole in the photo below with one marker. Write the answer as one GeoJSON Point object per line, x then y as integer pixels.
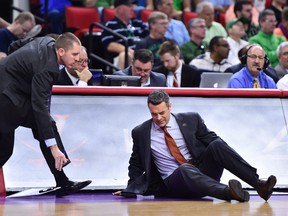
{"type": "Point", "coordinates": [238, 193]}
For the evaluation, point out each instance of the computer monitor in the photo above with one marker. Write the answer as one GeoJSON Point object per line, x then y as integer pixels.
{"type": "Point", "coordinates": [96, 76]}
{"type": "Point", "coordinates": [119, 80]}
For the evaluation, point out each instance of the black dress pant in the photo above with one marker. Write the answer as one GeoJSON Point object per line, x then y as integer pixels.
{"type": "Point", "coordinates": [203, 179]}
{"type": "Point", "coordinates": [12, 117]}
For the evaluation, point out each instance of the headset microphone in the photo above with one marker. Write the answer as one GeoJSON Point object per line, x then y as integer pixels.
{"type": "Point", "coordinates": [259, 69]}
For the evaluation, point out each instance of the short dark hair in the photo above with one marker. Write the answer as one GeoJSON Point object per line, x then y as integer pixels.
{"type": "Point", "coordinates": [169, 47]}
{"type": "Point", "coordinates": [239, 5]}
{"type": "Point", "coordinates": [214, 41]}
{"type": "Point", "coordinates": [143, 55]}
{"type": "Point", "coordinates": [66, 41]}
{"type": "Point", "coordinates": [158, 96]}
{"type": "Point", "coordinates": [263, 14]}
{"type": "Point", "coordinates": [25, 16]}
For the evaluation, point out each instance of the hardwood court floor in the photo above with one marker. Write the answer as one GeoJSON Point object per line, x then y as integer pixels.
{"type": "Point", "coordinates": [86, 204]}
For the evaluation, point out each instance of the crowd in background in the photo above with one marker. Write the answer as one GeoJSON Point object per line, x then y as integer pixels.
{"type": "Point", "coordinates": [216, 39]}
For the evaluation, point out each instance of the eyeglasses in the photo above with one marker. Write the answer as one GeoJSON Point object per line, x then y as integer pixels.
{"type": "Point", "coordinates": [82, 61]}
{"type": "Point", "coordinates": [284, 54]}
{"type": "Point", "coordinates": [139, 70]}
{"type": "Point", "coordinates": [254, 57]}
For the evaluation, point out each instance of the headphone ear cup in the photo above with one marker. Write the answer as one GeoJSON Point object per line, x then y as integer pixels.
{"type": "Point", "coordinates": [243, 59]}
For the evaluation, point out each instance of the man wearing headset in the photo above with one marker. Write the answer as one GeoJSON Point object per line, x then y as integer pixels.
{"type": "Point", "coordinates": [252, 75]}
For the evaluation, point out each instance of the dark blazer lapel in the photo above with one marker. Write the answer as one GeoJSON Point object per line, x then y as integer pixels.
{"type": "Point", "coordinates": [63, 78]}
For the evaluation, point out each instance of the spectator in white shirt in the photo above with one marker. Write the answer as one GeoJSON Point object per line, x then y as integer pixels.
{"type": "Point", "coordinates": [236, 31]}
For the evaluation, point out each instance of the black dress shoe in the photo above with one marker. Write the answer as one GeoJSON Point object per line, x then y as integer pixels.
{"type": "Point", "coordinates": [236, 191]}
{"type": "Point", "coordinates": [265, 188]}
{"type": "Point", "coordinates": [71, 187]}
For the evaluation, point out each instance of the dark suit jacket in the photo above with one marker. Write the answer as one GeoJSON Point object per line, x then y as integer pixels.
{"type": "Point", "coordinates": [143, 175]}
{"type": "Point", "coordinates": [270, 71]}
{"type": "Point", "coordinates": [156, 79]}
{"type": "Point", "coordinates": [190, 75]}
{"type": "Point", "coordinates": [280, 70]}
{"type": "Point", "coordinates": [26, 78]}
{"type": "Point", "coordinates": [64, 79]}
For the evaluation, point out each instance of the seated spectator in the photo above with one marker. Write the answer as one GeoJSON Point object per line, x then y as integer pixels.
{"type": "Point", "coordinates": [205, 10]}
{"type": "Point", "coordinates": [282, 29]}
{"type": "Point", "coordinates": [177, 73]}
{"type": "Point", "coordinates": [220, 6]}
{"type": "Point", "coordinates": [282, 53]}
{"type": "Point", "coordinates": [158, 22]}
{"type": "Point", "coordinates": [270, 71]}
{"type": "Point", "coordinates": [245, 9]}
{"type": "Point", "coordinates": [283, 83]}
{"type": "Point", "coordinates": [176, 29]}
{"type": "Point", "coordinates": [195, 46]}
{"type": "Point", "coordinates": [178, 7]}
{"type": "Point", "coordinates": [56, 14]}
{"type": "Point", "coordinates": [277, 6]}
{"type": "Point", "coordinates": [142, 65]}
{"type": "Point", "coordinates": [236, 31]}
{"type": "Point", "coordinates": [124, 24]}
{"type": "Point", "coordinates": [78, 75]}
{"type": "Point", "coordinates": [252, 75]}
{"type": "Point", "coordinates": [216, 58]}
{"type": "Point", "coordinates": [22, 24]}
{"type": "Point", "coordinates": [265, 37]}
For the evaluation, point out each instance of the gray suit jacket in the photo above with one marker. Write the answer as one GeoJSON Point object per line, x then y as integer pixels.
{"type": "Point", "coordinates": [26, 78]}
{"type": "Point", "coordinates": [156, 79]}
{"type": "Point", "coordinates": [143, 175]}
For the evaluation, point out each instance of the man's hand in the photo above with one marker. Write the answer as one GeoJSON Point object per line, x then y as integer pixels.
{"type": "Point", "coordinates": [84, 75]}
{"type": "Point", "coordinates": [59, 157]}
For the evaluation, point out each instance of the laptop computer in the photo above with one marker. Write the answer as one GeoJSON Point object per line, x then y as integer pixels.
{"type": "Point", "coordinates": [215, 79]}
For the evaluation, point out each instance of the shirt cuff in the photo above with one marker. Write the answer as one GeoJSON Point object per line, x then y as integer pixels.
{"type": "Point", "coordinates": [50, 142]}
{"type": "Point", "coordinates": [82, 83]}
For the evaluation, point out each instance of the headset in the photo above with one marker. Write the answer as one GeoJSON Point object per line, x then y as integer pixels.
{"type": "Point", "coordinates": [243, 58]}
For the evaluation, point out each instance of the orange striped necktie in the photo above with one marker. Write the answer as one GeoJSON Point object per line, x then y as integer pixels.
{"type": "Point", "coordinates": [171, 144]}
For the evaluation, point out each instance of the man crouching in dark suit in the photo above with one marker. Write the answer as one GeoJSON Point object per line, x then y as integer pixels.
{"type": "Point", "coordinates": [26, 79]}
{"type": "Point", "coordinates": [197, 166]}
{"type": "Point", "coordinates": [142, 65]}
{"type": "Point", "coordinates": [79, 74]}
{"type": "Point", "coordinates": [177, 73]}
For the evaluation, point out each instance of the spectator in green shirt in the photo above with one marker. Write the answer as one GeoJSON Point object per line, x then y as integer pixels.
{"type": "Point", "coordinates": [195, 46]}
{"type": "Point", "coordinates": [265, 37]}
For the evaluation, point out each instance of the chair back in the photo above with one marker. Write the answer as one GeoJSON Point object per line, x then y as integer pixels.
{"type": "Point", "coordinates": [187, 15]}
{"type": "Point", "coordinates": [81, 17]}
